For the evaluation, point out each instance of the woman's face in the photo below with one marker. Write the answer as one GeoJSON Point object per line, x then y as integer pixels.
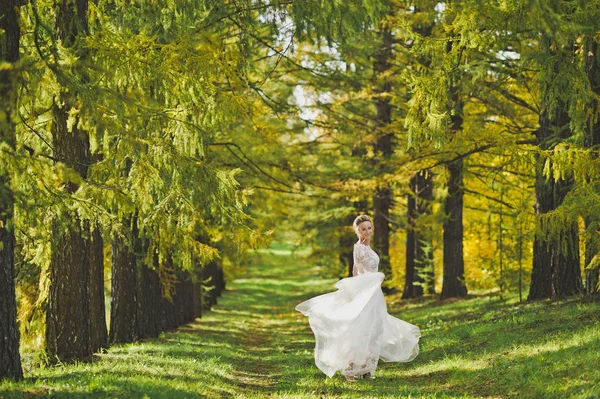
{"type": "Point", "coordinates": [365, 230]}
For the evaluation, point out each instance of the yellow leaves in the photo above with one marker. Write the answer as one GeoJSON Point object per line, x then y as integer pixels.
{"type": "Point", "coordinates": [5, 66]}
{"type": "Point", "coordinates": [73, 118]}
{"type": "Point", "coordinates": [568, 159]}
{"type": "Point", "coordinates": [594, 263]}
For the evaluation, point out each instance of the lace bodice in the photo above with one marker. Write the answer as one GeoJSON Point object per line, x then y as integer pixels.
{"type": "Point", "coordinates": [365, 259]}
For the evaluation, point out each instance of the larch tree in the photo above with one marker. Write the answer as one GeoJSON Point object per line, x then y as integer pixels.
{"type": "Point", "coordinates": [383, 197]}
{"type": "Point", "coordinates": [436, 112]}
{"type": "Point", "coordinates": [592, 140]}
{"type": "Point", "coordinates": [10, 33]}
{"type": "Point", "coordinates": [67, 316]}
{"type": "Point", "coordinates": [567, 170]}
{"type": "Point", "coordinates": [419, 276]}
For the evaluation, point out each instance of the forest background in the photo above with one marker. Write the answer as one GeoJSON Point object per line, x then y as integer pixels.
{"type": "Point", "coordinates": [147, 146]}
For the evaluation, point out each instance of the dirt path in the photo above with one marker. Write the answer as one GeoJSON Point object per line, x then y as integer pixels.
{"type": "Point", "coordinates": [270, 340]}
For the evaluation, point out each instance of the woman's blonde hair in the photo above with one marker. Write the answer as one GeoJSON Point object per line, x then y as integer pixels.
{"type": "Point", "coordinates": [360, 219]}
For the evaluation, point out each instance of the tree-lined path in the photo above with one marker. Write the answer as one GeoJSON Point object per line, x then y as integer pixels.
{"type": "Point", "coordinates": [254, 345]}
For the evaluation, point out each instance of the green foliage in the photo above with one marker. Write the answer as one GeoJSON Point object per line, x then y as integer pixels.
{"type": "Point", "coordinates": [221, 125]}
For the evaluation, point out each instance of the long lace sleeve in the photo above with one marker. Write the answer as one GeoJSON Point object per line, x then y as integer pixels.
{"type": "Point", "coordinates": [360, 257]}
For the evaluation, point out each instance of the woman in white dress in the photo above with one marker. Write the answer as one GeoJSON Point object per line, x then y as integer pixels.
{"type": "Point", "coordinates": [352, 327]}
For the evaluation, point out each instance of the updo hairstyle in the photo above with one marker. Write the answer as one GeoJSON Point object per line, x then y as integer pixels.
{"type": "Point", "coordinates": [360, 219]}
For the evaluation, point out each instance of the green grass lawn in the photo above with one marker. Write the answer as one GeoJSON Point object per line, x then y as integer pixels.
{"type": "Point", "coordinates": [254, 345]}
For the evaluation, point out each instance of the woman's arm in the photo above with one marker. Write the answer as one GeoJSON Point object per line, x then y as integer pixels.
{"type": "Point", "coordinates": [359, 258]}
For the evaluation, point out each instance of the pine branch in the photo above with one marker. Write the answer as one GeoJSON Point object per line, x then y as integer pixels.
{"type": "Point", "coordinates": [249, 162]}
{"type": "Point", "coordinates": [290, 192]}
{"type": "Point", "coordinates": [511, 97]}
{"type": "Point", "coordinates": [500, 168]}
{"type": "Point", "coordinates": [466, 190]}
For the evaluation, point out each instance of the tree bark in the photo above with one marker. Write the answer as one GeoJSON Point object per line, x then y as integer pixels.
{"type": "Point", "coordinates": [410, 277]}
{"type": "Point", "coordinates": [10, 359]}
{"type": "Point", "coordinates": [453, 283]}
{"type": "Point", "coordinates": [383, 196]}
{"type": "Point", "coordinates": [198, 299]}
{"type": "Point", "coordinates": [540, 286]}
{"type": "Point", "coordinates": [210, 275]}
{"type": "Point", "coordinates": [566, 265]}
{"type": "Point", "coordinates": [346, 247]}
{"type": "Point", "coordinates": [591, 275]}
{"type": "Point", "coordinates": [419, 261]}
{"type": "Point", "coordinates": [67, 316]}
{"type": "Point", "coordinates": [419, 256]}
{"type": "Point", "coordinates": [98, 330]}
{"type": "Point", "coordinates": [149, 302]}
{"type": "Point", "coordinates": [124, 307]}
{"type": "Point", "coordinates": [556, 269]}
{"type": "Point", "coordinates": [67, 313]}
{"type": "Point", "coordinates": [592, 247]}
{"type": "Point", "coordinates": [187, 303]}
{"type": "Point", "coordinates": [556, 272]}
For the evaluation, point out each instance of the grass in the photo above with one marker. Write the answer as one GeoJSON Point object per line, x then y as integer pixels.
{"type": "Point", "coordinates": [254, 345]}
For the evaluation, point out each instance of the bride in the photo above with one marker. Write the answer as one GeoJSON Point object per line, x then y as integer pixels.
{"type": "Point", "coordinates": [351, 325]}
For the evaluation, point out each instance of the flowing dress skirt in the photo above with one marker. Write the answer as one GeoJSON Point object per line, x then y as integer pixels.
{"type": "Point", "coordinates": [353, 329]}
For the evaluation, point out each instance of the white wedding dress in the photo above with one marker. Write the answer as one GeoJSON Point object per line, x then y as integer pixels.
{"type": "Point", "coordinates": [352, 327]}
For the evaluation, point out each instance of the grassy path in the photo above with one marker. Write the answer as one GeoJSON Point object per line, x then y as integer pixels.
{"type": "Point", "coordinates": [254, 345]}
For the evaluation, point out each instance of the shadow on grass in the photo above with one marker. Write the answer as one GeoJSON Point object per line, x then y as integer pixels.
{"type": "Point", "coordinates": [254, 345]}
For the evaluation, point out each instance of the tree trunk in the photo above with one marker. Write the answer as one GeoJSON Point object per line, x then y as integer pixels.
{"type": "Point", "coordinates": [411, 253]}
{"type": "Point", "coordinates": [170, 316]}
{"type": "Point", "coordinates": [67, 313]}
{"type": "Point", "coordinates": [198, 299]}
{"type": "Point", "coordinates": [453, 283]}
{"type": "Point", "coordinates": [592, 247]}
{"type": "Point", "coordinates": [383, 196]}
{"type": "Point", "coordinates": [179, 301]}
{"type": "Point", "coordinates": [209, 282]}
{"type": "Point", "coordinates": [188, 301]}
{"type": "Point", "coordinates": [556, 268]}
{"type": "Point", "coordinates": [540, 286]}
{"type": "Point", "coordinates": [149, 302]}
{"type": "Point", "coordinates": [591, 275]}
{"type": "Point", "coordinates": [123, 315]}
{"type": "Point", "coordinates": [419, 255]}
{"type": "Point", "coordinates": [67, 316]}
{"type": "Point", "coordinates": [98, 331]}
{"type": "Point", "coordinates": [423, 239]}
{"type": "Point", "coordinates": [556, 271]}
{"type": "Point", "coordinates": [566, 265]}
{"type": "Point", "coordinates": [346, 247]}
{"type": "Point", "coordinates": [10, 360]}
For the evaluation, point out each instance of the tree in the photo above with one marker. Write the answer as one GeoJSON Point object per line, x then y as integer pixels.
{"type": "Point", "coordinates": [10, 33]}
{"type": "Point", "coordinates": [566, 189]}
{"type": "Point", "coordinates": [67, 318]}
{"type": "Point", "coordinates": [383, 196]}
{"type": "Point", "coordinates": [124, 300]}
{"type": "Point", "coordinates": [98, 330]}
{"type": "Point", "coordinates": [419, 278]}
{"type": "Point", "coordinates": [436, 112]}
{"type": "Point", "coordinates": [592, 140]}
